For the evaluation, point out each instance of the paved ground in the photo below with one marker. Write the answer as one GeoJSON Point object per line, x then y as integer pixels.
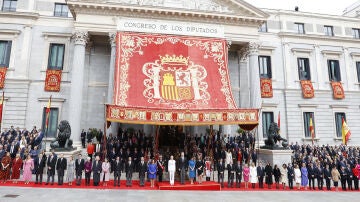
{"type": "Point", "coordinates": [74, 195]}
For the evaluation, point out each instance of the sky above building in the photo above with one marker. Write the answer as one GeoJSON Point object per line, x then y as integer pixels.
{"type": "Point", "coordinates": [332, 7]}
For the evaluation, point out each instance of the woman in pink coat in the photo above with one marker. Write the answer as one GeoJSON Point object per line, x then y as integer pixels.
{"type": "Point", "coordinates": [246, 175]}
{"type": "Point", "coordinates": [28, 166]}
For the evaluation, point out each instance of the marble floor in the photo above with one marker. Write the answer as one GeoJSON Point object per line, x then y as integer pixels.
{"type": "Point", "coordinates": [12, 194]}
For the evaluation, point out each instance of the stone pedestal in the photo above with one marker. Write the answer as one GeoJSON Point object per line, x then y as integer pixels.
{"type": "Point", "coordinates": [278, 157]}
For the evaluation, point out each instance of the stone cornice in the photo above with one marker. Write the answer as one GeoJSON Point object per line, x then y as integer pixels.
{"type": "Point", "coordinates": [21, 15]}
{"type": "Point", "coordinates": [318, 37]}
{"type": "Point", "coordinates": [80, 7]}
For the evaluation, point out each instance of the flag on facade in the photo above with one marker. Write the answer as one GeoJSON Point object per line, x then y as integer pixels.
{"type": "Point", "coordinates": [311, 129]}
{"type": "Point", "coordinates": [345, 131]}
{"type": "Point", "coordinates": [47, 113]}
{"type": "Point", "coordinates": [1, 106]}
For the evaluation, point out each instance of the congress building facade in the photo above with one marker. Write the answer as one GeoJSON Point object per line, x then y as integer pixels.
{"type": "Point", "coordinates": [292, 64]}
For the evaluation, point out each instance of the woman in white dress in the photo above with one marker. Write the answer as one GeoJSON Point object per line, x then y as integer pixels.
{"type": "Point", "coordinates": [70, 170]}
{"type": "Point", "coordinates": [228, 157]}
{"type": "Point", "coordinates": [297, 176]}
{"type": "Point", "coordinates": [284, 174]}
{"type": "Point", "coordinates": [253, 175]}
{"type": "Point", "coordinates": [171, 169]}
{"type": "Point", "coordinates": [105, 172]}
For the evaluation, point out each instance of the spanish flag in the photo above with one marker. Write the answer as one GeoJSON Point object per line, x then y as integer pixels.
{"type": "Point", "coordinates": [345, 132]}
{"type": "Point", "coordinates": [311, 129]}
{"type": "Point", "coordinates": [1, 107]}
{"type": "Point", "coordinates": [47, 113]}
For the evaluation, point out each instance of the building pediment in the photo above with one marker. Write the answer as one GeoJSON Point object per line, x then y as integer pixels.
{"type": "Point", "coordinates": [222, 11]}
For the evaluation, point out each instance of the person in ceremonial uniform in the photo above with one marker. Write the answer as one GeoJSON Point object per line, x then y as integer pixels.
{"type": "Point", "coordinates": [51, 163]}
{"type": "Point", "coordinates": [171, 169]}
{"type": "Point", "coordinates": [96, 169]}
{"type": "Point", "coordinates": [238, 171]}
{"type": "Point", "coordinates": [105, 170]}
{"type": "Point", "coordinates": [16, 168]}
{"type": "Point", "coordinates": [39, 168]}
{"type": "Point", "coordinates": [70, 170]}
{"type": "Point", "coordinates": [160, 167]}
{"type": "Point", "coordinates": [200, 169]}
{"type": "Point", "coordinates": [231, 174]}
{"type": "Point", "coordinates": [221, 170]}
{"type": "Point", "coordinates": [28, 166]}
{"type": "Point", "coordinates": [192, 171]}
{"type": "Point", "coordinates": [79, 168]}
{"type": "Point", "coordinates": [129, 169]}
{"type": "Point", "coordinates": [117, 168]}
{"type": "Point", "coordinates": [88, 170]}
{"type": "Point", "coordinates": [152, 169]}
{"type": "Point", "coordinates": [246, 174]}
{"type": "Point", "coordinates": [5, 167]}
{"type": "Point", "coordinates": [208, 168]}
{"type": "Point", "coordinates": [61, 166]}
{"type": "Point", "coordinates": [143, 168]}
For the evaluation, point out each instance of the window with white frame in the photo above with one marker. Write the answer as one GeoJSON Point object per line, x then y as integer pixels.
{"type": "Point", "coordinates": [9, 5]}
{"type": "Point", "coordinates": [61, 10]}
{"type": "Point", "coordinates": [339, 116]}
{"type": "Point", "coordinates": [267, 119]}
{"type": "Point", "coordinates": [304, 69]}
{"type": "Point", "coordinates": [356, 33]}
{"type": "Point", "coordinates": [263, 27]}
{"type": "Point", "coordinates": [329, 30]}
{"type": "Point", "coordinates": [53, 122]}
{"type": "Point", "coordinates": [299, 28]}
{"type": "Point", "coordinates": [334, 70]}
{"type": "Point", "coordinates": [56, 56]}
{"type": "Point", "coordinates": [265, 66]}
{"type": "Point", "coordinates": [309, 117]}
{"type": "Point", "coordinates": [5, 51]}
{"type": "Point", "coordinates": [358, 70]}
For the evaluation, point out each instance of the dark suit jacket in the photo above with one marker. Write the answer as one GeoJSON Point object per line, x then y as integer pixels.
{"type": "Point", "coordinates": [61, 166]}
{"type": "Point", "coordinates": [129, 168]}
{"type": "Point", "coordinates": [79, 166]}
{"type": "Point", "coordinates": [51, 162]}
{"type": "Point", "coordinates": [182, 164]}
{"type": "Point", "coordinates": [142, 169]}
{"type": "Point", "coordinates": [260, 171]}
{"type": "Point", "coordinates": [117, 167]}
{"type": "Point", "coordinates": [39, 167]}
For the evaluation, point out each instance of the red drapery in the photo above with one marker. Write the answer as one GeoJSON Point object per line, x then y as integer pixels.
{"type": "Point", "coordinates": [307, 88]}
{"type": "Point", "coordinates": [266, 88]}
{"type": "Point", "coordinates": [338, 90]}
{"type": "Point", "coordinates": [2, 76]}
{"type": "Point", "coordinates": [53, 80]}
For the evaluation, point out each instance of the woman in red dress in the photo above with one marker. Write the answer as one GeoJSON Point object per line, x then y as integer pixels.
{"type": "Point", "coordinates": [5, 167]}
{"type": "Point", "coordinates": [16, 167]}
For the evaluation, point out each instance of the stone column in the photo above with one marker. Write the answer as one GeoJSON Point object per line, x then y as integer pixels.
{"type": "Point", "coordinates": [244, 78]}
{"type": "Point", "coordinates": [77, 78]}
{"type": "Point", "coordinates": [255, 94]}
{"type": "Point", "coordinates": [112, 40]}
{"type": "Point", "coordinates": [23, 67]}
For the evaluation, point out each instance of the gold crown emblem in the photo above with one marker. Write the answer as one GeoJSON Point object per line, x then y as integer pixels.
{"type": "Point", "coordinates": [176, 60]}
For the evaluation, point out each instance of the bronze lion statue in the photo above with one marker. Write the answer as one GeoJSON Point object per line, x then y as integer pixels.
{"type": "Point", "coordinates": [63, 138]}
{"type": "Point", "coordinates": [274, 137]}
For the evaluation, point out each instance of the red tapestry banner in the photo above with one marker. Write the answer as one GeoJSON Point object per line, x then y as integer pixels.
{"type": "Point", "coordinates": [266, 88]}
{"type": "Point", "coordinates": [307, 88]}
{"type": "Point", "coordinates": [53, 80]}
{"type": "Point", "coordinates": [176, 73]}
{"type": "Point", "coordinates": [338, 90]}
{"type": "Point", "coordinates": [2, 76]}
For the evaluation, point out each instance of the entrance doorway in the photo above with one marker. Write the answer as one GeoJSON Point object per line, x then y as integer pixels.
{"type": "Point", "coordinates": [171, 138]}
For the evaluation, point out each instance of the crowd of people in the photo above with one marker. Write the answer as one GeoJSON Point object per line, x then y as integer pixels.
{"type": "Point", "coordinates": [131, 152]}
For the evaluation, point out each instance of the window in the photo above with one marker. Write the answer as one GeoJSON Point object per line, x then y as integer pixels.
{"type": "Point", "coordinates": [56, 56]}
{"type": "Point", "coordinates": [356, 33]}
{"type": "Point", "coordinates": [267, 119]}
{"type": "Point", "coordinates": [9, 5]}
{"type": "Point", "coordinates": [334, 70]}
{"type": "Point", "coordinates": [299, 28]}
{"type": "Point", "coordinates": [307, 116]}
{"type": "Point", "coordinates": [61, 10]}
{"type": "Point", "coordinates": [338, 122]}
{"type": "Point", "coordinates": [329, 30]}
{"type": "Point", "coordinates": [5, 50]}
{"type": "Point", "coordinates": [304, 69]}
{"type": "Point", "coordinates": [265, 66]}
{"type": "Point", "coordinates": [358, 70]}
{"type": "Point", "coordinates": [53, 122]}
{"type": "Point", "coordinates": [263, 27]}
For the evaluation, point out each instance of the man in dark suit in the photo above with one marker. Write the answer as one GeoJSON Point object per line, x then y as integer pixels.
{"type": "Point", "coordinates": [79, 168]}
{"type": "Point", "coordinates": [350, 176]}
{"type": "Point", "coordinates": [51, 163]}
{"type": "Point", "coordinates": [238, 171]}
{"type": "Point", "coordinates": [61, 167]}
{"type": "Point", "coordinates": [291, 175]}
{"type": "Point", "coordinates": [261, 174]}
{"type": "Point", "coordinates": [129, 169]}
{"type": "Point", "coordinates": [221, 170]}
{"type": "Point", "coordinates": [117, 168]}
{"type": "Point", "coordinates": [83, 137]}
{"type": "Point", "coordinates": [327, 176]}
{"type": "Point", "coordinates": [231, 174]}
{"type": "Point", "coordinates": [142, 171]}
{"type": "Point", "coordinates": [39, 168]}
{"type": "Point", "coordinates": [319, 172]}
{"type": "Point", "coordinates": [96, 168]}
{"type": "Point", "coordinates": [311, 176]}
{"type": "Point", "coordinates": [183, 164]}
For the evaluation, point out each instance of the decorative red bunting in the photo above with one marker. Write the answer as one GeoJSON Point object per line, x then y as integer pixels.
{"type": "Point", "coordinates": [53, 80]}
{"type": "Point", "coordinates": [266, 88]}
{"type": "Point", "coordinates": [2, 76]}
{"type": "Point", "coordinates": [307, 88]}
{"type": "Point", "coordinates": [338, 90]}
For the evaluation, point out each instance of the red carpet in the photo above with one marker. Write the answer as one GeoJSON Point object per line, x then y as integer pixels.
{"type": "Point", "coordinates": [205, 186]}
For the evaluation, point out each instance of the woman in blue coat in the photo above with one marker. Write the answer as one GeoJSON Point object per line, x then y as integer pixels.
{"type": "Point", "coordinates": [152, 169]}
{"type": "Point", "coordinates": [192, 172]}
{"type": "Point", "coordinates": [304, 176]}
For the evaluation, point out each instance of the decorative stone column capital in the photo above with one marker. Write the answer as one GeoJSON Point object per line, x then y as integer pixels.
{"type": "Point", "coordinates": [112, 39]}
{"type": "Point", "coordinates": [80, 37]}
{"type": "Point", "coordinates": [243, 53]}
{"type": "Point", "coordinates": [254, 47]}
{"type": "Point", "coordinates": [228, 43]}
